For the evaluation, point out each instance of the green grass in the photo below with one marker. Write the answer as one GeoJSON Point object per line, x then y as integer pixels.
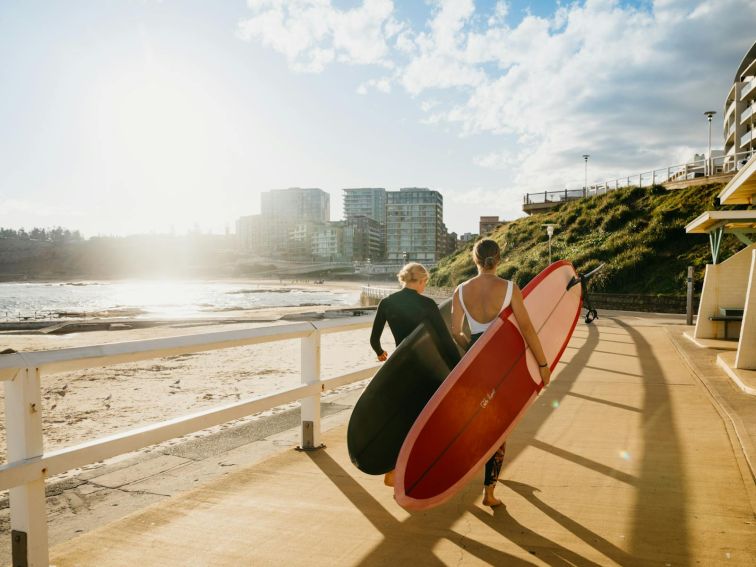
{"type": "Point", "coordinates": [638, 232]}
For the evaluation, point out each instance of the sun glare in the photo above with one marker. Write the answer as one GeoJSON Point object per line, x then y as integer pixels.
{"type": "Point", "coordinates": [162, 135]}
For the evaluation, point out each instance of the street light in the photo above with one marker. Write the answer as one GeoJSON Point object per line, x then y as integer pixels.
{"type": "Point", "coordinates": [585, 187]}
{"type": "Point", "coordinates": [709, 114]}
{"type": "Point", "coordinates": [550, 231]}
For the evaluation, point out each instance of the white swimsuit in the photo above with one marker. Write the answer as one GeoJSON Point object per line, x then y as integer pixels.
{"type": "Point", "coordinates": [477, 327]}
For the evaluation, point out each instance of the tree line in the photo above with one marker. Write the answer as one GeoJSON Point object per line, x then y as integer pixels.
{"type": "Point", "coordinates": [56, 234]}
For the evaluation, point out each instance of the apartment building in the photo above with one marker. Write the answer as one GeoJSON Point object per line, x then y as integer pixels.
{"type": "Point", "coordinates": [302, 205]}
{"type": "Point", "coordinates": [333, 242]}
{"type": "Point", "coordinates": [415, 228]}
{"type": "Point", "coordinates": [368, 238]}
{"type": "Point", "coordinates": [265, 236]}
{"type": "Point", "coordinates": [365, 202]}
{"type": "Point", "coordinates": [740, 113]}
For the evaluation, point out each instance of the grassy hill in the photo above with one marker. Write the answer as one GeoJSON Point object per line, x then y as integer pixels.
{"type": "Point", "coordinates": [638, 232]}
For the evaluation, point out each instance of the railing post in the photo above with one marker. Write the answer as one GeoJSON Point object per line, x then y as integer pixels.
{"type": "Point", "coordinates": [23, 426]}
{"type": "Point", "coordinates": [310, 406]}
{"type": "Point", "coordinates": [689, 298]}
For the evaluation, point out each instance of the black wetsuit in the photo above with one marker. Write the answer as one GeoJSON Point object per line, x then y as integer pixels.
{"type": "Point", "coordinates": [404, 311]}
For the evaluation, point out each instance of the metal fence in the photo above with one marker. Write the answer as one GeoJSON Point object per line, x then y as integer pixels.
{"type": "Point", "coordinates": [682, 172]}
{"type": "Point", "coordinates": [28, 465]}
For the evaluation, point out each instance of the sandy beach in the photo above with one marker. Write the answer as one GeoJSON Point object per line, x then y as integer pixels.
{"type": "Point", "coordinates": [83, 405]}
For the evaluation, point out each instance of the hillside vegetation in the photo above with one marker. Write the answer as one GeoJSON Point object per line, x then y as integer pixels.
{"type": "Point", "coordinates": [638, 232]}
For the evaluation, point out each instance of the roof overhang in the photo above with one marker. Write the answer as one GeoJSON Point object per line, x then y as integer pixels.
{"type": "Point", "coordinates": [741, 190]}
{"type": "Point", "coordinates": [741, 221]}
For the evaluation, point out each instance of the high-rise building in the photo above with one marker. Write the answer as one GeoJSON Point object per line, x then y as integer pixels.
{"type": "Point", "coordinates": [265, 236]}
{"type": "Point", "coordinates": [367, 238]}
{"type": "Point", "coordinates": [740, 113]}
{"type": "Point", "coordinates": [361, 204]}
{"type": "Point", "coordinates": [302, 205]}
{"type": "Point", "coordinates": [414, 225]}
{"type": "Point", "coordinates": [365, 202]}
{"type": "Point", "coordinates": [333, 242]}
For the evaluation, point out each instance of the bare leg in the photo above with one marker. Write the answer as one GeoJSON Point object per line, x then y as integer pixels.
{"type": "Point", "coordinates": [388, 478]}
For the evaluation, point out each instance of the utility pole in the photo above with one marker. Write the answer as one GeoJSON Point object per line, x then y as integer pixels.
{"type": "Point", "coordinates": [709, 114]}
{"type": "Point", "coordinates": [585, 186]}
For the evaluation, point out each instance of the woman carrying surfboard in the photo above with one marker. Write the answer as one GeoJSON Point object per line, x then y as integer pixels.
{"type": "Point", "coordinates": [481, 299]}
{"type": "Point", "coordinates": [404, 311]}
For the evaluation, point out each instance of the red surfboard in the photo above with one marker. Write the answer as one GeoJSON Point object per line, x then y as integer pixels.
{"type": "Point", "coordinates": [486, 394]}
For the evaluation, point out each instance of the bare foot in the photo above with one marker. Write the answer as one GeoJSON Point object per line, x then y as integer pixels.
{"type": "Point", "coordinates": [489, 499]}
{"type": "Point", "coordinates": [388, 478]}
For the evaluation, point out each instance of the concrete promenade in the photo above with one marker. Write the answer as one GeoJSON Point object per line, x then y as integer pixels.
{"type": "Point", "coordinates": [637, 454]}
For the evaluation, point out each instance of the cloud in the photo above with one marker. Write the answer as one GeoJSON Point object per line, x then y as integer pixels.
{"type": "Point", "coordinates": [625, 84]}
{"type": "Point", "coordinates": [381, 85]}
{"type": "Point", "coordinates": [312, 34]}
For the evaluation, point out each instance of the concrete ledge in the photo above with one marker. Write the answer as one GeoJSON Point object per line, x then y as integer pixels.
{"type": "Point", "coordinates": [715, 344]}
{"type": "Point", "coordinates": [744, 379]}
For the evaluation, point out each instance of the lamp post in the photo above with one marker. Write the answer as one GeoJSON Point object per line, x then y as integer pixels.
{"type": "Point", "coordinates": [585, 186]}
{"type": "Point", "coordinates": [709, 114]}
{"type": "Point", "coordinates": [550, 231]}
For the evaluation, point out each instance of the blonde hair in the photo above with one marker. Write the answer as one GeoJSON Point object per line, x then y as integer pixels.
{"type": "Point", "coordinates": [486, 253]}
{"type": "Point", "coordinates": [412, 272]}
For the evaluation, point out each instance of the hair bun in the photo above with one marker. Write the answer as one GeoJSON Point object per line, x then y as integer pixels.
{"type": "Point", "coordinates": [489, 262]}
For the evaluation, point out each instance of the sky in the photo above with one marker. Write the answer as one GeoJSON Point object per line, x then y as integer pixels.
{"type": "Point", "coordinates": [138, 116]}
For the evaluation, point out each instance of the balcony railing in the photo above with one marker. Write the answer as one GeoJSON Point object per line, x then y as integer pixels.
{"type": "Point", "coordinates": [747, 137]}
{"type": "Point", "coordinates": [730, 109]}
{"type": "Point", "coordinates": [730, 131]}
{"type": "Point", "coordinates": [747, 113]}
{"type": "Point", "coordinates": [691, 170]}
{"type": "Point", "coordinates": [747, 88]}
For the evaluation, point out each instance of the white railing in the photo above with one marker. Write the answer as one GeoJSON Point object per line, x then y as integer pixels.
{"type": "Point", "coordinates": [681, 172]}
{"type": "Point", "coordinates": [747, 113]}
{"type": "Point", "coordinates": [370, 292]}
{"type": "Point", "coordinates": [29, 465]}
{"type": "Point", "coordinates": [747, 88]}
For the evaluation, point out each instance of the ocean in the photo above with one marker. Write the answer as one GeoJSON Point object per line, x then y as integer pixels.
{"type": "Point", "coordinates": [157, 299]}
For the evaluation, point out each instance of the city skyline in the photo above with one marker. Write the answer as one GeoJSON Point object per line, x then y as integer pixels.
{"type": "Point", "coordinates": [142, 117]}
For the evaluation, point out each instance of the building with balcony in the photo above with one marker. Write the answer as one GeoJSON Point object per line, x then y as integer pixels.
{"type": "Point", "coordinates": [365, 202]}
{"type": "Point", "coordinates": [301, 205]}
{"type": "Point", "coordinates": [740, 114]}
{"type": "Point", "coordinates": [367, 238]}
{"type": "Point", "coordinates": [415, 228]}
{"type": "Point", "coordinates": [332, 242]}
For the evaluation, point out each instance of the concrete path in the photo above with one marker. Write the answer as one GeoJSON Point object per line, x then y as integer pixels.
{"type": "Point", "coordinates": [627, 458]}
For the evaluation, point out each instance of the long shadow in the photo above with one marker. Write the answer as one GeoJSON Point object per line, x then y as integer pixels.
{"type": "Point", "coordinates": [410, 542]}
{"type": "Point", "coordinates": [605, 402]}
{"type": "Point", "coordinates": [660, 531]}
{"type": "Point", "coordinates": [416, 536]}
{"type": "Point", "coordinates": [546, 550]}
{"type": "Point", "coordinates": [614, 371]}
{"type": "Point", "coordinates": [584, 462]}
{"type": "Point", "coordinates": [591, 538]}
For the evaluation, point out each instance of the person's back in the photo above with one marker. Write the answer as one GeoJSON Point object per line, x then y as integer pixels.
{"type": "Point", "coordinates": [483, 298]}
{"type": "Point", "coordinates": [408, 308]}
{"type": "Point", "coordinates": [480, 300]}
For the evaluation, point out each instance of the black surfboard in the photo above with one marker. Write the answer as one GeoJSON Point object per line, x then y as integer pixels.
{"type": "Point", "coordinates": [395, 397]}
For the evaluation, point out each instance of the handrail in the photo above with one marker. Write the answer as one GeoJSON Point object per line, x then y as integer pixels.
{"type": "Point", "coordinates": [698, 168]}
{"type": "Point", "coordinates": [29, 465]}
